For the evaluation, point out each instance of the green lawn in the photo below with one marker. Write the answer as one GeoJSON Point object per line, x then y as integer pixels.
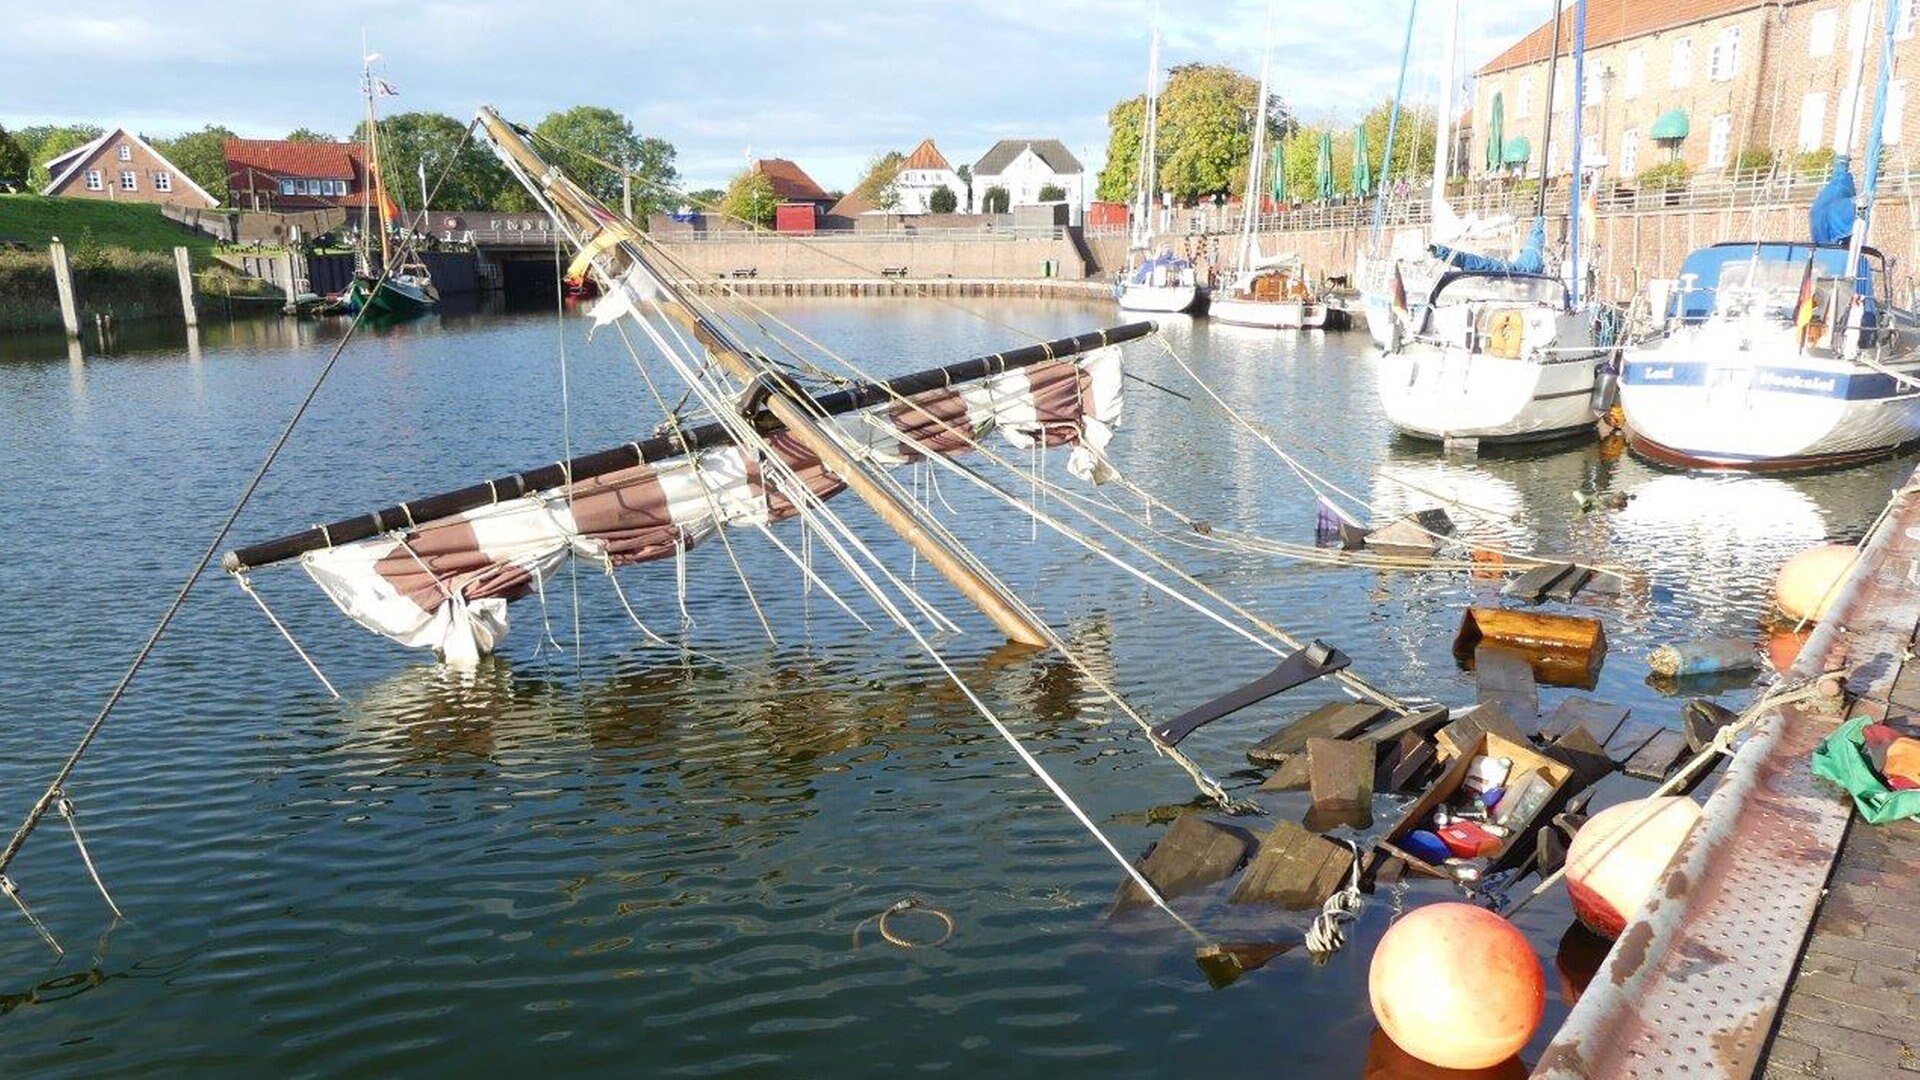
{"type": "Point", "coordinates": [36, 219]}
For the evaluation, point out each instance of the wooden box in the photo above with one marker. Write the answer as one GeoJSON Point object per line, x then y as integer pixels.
{"type": "Point", "coordinates": [1519, 843]}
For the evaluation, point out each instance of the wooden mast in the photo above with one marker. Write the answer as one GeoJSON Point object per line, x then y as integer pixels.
{"type": "Point", "coordinates": [593, 222]}
{"type": "Point", "coordinates": [373, 164]}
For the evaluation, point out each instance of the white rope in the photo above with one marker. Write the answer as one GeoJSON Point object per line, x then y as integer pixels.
{"type": "Point", "coordinates": [1328, 934]}
{"type": "Point", "coordinates": [13, 893]}
{"type": "Point", "coordinates": [648, 631]}
{"type": "Point", "coordinates": [566, 425]}
{"type": "Point", "coordinates": [246, 586]}
{"type": "Point", "coordinates": [811, 579]}
{"type": "Point", "coordinates": [73, 824]}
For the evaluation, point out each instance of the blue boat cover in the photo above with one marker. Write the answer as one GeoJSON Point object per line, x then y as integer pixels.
{"type": "Point", "coordinates": [1832, 214]}
{"type": "Point", "coordinates": [1784, 264]}
{"type": "Point", "coordinates": [1143, 274]}
{"type": "Point", "coordinates": [1532, 258]}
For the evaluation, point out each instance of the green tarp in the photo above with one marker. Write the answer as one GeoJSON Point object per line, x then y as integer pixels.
{"type": "Point", "coordinates": [1496, 123]}
{"type": "Point", "coordinates": [1671, 125]}
{"type": "Point", "coordinates": [1517, 151]}
{"type": "Point", "coordinates": [1323, 169]}
{"type": "Point", "coordinates": [1842, 758]}
{"type": "Point", "coordinates": [1362, 167]}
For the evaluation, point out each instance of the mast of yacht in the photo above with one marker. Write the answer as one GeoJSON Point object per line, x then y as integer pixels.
{"type": "Point", "coordinates": [1546, 136]}
{"type": "Point", "coordinates": [373, 154]}
{"type": "Point", "coordinates": [1393, 128]}
{"type": "Point", "coordinates": [613, 248]}
{"type": "Point", "coordinates": [1443, 120]}
{"type": "Point", "coordinates": [1256, 160]}
{"type": "Point", "coordinates": [1870, 163]}
{"type": "Point", "coordinates": [1579, 148]}
{"type": "Point", "coordinates": [1147, 171]}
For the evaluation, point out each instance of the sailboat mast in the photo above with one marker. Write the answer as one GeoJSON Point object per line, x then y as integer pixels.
{"type": "Point", "coordinates": [1148, 169]}
{"type": "Point", "coordinates": [1546, 135]}
{"type": "Point", "coordinates": [1579, 106]}
{"type": "Point", "coordinates": [1393, 127]}
{"type": "Point", "coordinates": [1870, 164]}
{"type": "Point", "coordinates": [1443, 121]}
{"type": "Point", "coordinates": [373, 160]}
{"type": "Point", "coordinates": [1256, 161]}
{"type": "Point", "coordinates": [603, 233]}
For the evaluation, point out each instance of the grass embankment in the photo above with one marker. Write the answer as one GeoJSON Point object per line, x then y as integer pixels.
{"type": "Point", "coordinates": [122, 258]}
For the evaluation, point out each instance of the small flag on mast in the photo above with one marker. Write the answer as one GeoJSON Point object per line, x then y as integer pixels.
{"type": "Point", "coordinates": [1803, 308]}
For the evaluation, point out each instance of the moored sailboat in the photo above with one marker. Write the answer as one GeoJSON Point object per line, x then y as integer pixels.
{"type": "Point", "coordinates": [1154, 281]}
{"type": "Point", "coordinates": [395, 290]}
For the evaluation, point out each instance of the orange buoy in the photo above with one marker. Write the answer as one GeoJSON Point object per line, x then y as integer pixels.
{"type": "Point", "coordinates": [1618, 856]}
{"type": "Point", "coordinates": [1783, 648]}
{"type": "Point", "coordinates": [1808, 583]}
{"type": "Point", "coordinates": [1457, 986]}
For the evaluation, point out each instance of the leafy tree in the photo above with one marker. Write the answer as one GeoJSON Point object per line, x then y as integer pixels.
{"type": "Point", "coordinates": [468, 177]}
{"type": "Point", "coordinates": [881, 183]}
{"type": "Point", "coordinates": [305, 134]}
{"type": "Point", "coordinates": [750, 198]}
{"type": "Point", "coordinates": [13, 162]}
{"type": "Point", "coordinates": [965, 173]}
{"type": "Point", "coordinates": [44, 142]}
{"type": "Point", "coordinates": [943, 201]}
{"type": "Point", "coordinates": [706, 197]}
{"type": "Point", "coordinates": [995, 200]}
{"type": "Point", "coordinates": [1053, 193]}
{"type": "Point", "coordinates": [605, 134]}
{"type": "Point", "coordinates": [202, 155]}
{"type": "Point", "coordinates": [1414, 142]}
{"type": "Point", "coordinates": [1206, 132]}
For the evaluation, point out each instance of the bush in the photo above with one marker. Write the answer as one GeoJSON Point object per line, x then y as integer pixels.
{"type": "Point", "coordinates": [1674, 174]}
{"type": "Point", "coordinates": [1053, 193]}
{"type": "Point", "coordinates": [1814, 162]}
{"type": "Point", "coordinates": [1755, 163]}
{"type": "Point", "coordinates": [943, 201]}
{"type": "Point", "coordinates": [995, 200]}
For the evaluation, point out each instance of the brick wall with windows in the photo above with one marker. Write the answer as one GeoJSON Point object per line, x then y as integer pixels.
{"type": "Point", "coordinates": [124, 169]}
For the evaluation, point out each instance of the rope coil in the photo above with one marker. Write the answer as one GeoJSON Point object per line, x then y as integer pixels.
{"type": "Point", "coordinates": [1328, 933]}
{"type": "Point", "coordinates": [901, 907]}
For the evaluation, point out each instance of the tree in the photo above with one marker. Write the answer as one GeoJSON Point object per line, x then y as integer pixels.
{"type": "Point", "coordinates": [881, 183]}
{"type": "Point", "coordinates": [13, 163]}
{"type": "Point", "coordinates": [995, 200]}
{"type": "Point", "coordinates": [706, 197]}
{"type": "Point", "coordinates": [965, 173]}
{"type": "Point", "coordinates": [304, 134]}
{"type": "Point", "coordinates": [1052, 193]}
{"type": "Point", "coordinates": [750, 198]}
{"type": "Point", "coordinates": [943, 201]}
{"type": "Point", "coordinates": [602, 133]}
{"type": "Point", "coordinates": [1205, 134]}
{"type": "Point", "coordinates": [1414, 141]}
{"type": "Point", "coordinates": [44, 142]}
{"type": "Point", "coordinates": [460, 174]}
{"type": "Point", "coordinates": [202, 156]}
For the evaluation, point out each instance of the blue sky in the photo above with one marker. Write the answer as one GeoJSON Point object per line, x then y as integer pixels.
{"type": "Point", "coordinates": [828, 84]}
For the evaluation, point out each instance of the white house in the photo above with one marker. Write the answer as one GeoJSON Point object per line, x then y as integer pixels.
{"type": "Point", "coordinates": [1024, 166]}
{"type": "Point", "coordinates": [924, 172]}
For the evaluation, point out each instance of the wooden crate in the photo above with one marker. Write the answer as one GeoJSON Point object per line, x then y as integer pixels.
{"type": "Point", "coordinates": [1516, 846]}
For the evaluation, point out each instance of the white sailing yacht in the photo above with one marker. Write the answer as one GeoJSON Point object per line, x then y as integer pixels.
{"type": "Point", "coordinates": [1268, 292]}
{"type": "Point", "coordinates": [1154, 281]}
{"type": "Point", "coordinates": [1785, 355]}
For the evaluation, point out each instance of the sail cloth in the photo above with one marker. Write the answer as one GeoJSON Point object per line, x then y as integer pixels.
{"type": "Point", "coordinates": [1531, 259]}
{"type": "Point", "coordinates": [446, 584]}
{"type": "Point", "coordinates": [1832, 213]}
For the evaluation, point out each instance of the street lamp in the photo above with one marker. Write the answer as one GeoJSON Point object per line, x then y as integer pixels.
{"type": "Point", "coordinates": [1606, 99]}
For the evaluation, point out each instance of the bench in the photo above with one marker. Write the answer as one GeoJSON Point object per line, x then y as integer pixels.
{"type": "Point", "coordinates": [893, 271]}
{"type": "Point", "coordinates": [746, 272]}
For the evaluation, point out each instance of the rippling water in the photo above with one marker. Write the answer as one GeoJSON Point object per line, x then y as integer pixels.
{"type": "Point", "coordinates": [620, 857]}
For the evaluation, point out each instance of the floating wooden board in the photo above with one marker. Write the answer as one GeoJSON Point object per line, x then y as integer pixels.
{"type": "Point", "coordinates": [1195, 853]}
{"type": "Point", "coordinates": [1564, 590]}
{"type": "Point", "coordinates": [1340, 774]}
{"type": "Point", "coordinates": [1652, 761]}
{"type": "Point", "coordinates": [1533, 584]}
{"type": "Point", "coordinates": [1295, 870]}
{"type": "Point", "coordinates": [1629, 737]}
{"type": "Point", "coordinates": [1703, 720]}
{"type": "Point", "coordinates": [1600, 718]}
{"type": "Point", "coordinates": [1466, 732]}
{"type": "Point", "coordinates": [1505, 677]}
{"type": "Point", "coordinates": [1565, 650]}
{"type": "Point", "coordinates": [1226, 961]}
{"type": "Point", "coordinates": [1404, 763]}
{"type": "Point", "coordinates": [1582, 752]}
{"type": "Point", "coordinates": [1423, 722]}
{"type": "Point", "coordinates": [1290, 776]}
{"type": "Point", "coordinates": [1406, 536]}
{"type": "Point", "coordinates": [1340, 720]}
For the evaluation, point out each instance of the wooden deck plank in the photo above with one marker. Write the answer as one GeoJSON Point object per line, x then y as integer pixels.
{"type": "Point", "coordinates": [1505, 676]}
{"type": "Point", "coordinates": [1339, 720]}
{"type": "Point", "coordinates": [1193, 854]}
{"type": "Point", "coordinates": [1294, 869]}
{"type": "Point", "coordinates": [1652, 761]}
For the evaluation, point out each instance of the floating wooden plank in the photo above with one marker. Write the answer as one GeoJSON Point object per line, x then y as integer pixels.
{"type": "Point", "coordinates": [1565, 650]}
{"type": "Point", "coordinates": [1301, 666]}
{"type": "Point", "coordinates": [1586, 755]}
{"type": "Point", "coordinates": [1629, 737]}
{"type": "Point", "coordinates": [1295, 870]}
{"type": "Point", "coordinates": [1336, 721]}
{"type": "Point", "coordinates": [1506, 678]}
{"type": "Point", "coordinates": [1423, 722]}
{"type": "Point", "coordinates": [1600, 718]}
{"type": "Point", "coordinates": [1533, 584]}
{"type": "Point", "coordinates": [1652, 761]}
{"type": "Point", "coordinates": [1564, 590]}
{"type": "Point", "coordinates": [1464, 733]}
{"type": "Point", "coordinates": [1340, 774]}
{"type": "Point", "coordinates": [1290, 776]}
{"type": "Point", "coordinates": [1404, 763]}
{"type": "Point", "coordinates": [1195, 853]}
{"type": "Point", "coordinates": [1405, 536]}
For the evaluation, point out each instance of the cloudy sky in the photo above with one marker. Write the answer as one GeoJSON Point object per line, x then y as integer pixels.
{"type": "Point", "coordinates": [828, 84]}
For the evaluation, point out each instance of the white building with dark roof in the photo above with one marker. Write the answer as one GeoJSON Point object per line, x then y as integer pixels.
{"type": "Point", "coordinates": [1025, 166]}
{"type": "Point", "coordinates": [924, 172]}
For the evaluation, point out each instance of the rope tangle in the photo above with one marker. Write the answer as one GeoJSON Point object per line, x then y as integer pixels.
{"type": "Point", "coordinates": [901, 907]}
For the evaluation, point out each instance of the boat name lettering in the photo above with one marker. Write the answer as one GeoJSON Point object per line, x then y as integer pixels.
{"type": "Point", "coordinates": [1774, 381]}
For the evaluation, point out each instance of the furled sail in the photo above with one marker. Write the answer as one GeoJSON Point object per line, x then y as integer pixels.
{"type": "Point", "coordinates": [445, 584]}
{"type": "Point", "coordinates": [1531, 258]}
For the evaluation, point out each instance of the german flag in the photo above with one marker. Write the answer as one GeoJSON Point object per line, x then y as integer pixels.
{"type": "Point", "coordinates": [1400, 310]}
{"type": "Point", "coordinates": [1803, 308]}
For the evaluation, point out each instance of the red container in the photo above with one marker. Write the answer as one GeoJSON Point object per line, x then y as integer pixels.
{"type": "Point", "coordinates": [794, 218]}
{"type": "Point", "coordinates": [1107, 215]}
{"type": "Point", "coordinates": [1467, 840]}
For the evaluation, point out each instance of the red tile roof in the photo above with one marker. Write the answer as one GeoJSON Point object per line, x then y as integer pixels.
{"type": "Point", "coordinates": [790, 182]}
{"type": "Point", "coordinates": [312, 160]}
{"type": "Point", "coordinates": [1611, 22]}
{"type": "Point", "coordinates": [926, 156]}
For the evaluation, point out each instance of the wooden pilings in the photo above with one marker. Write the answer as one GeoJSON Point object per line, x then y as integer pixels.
{"type": "Point", "coordinates": [63, 282]}
{"type": "Point", "coordinates": [184, 265]}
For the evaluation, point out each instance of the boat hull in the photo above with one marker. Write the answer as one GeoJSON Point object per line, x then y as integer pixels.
{"type": "Point", "coordinates": [1283, 315]}
{"type": "Point", "coordinates": [1439, 392]}
{"type": "Point", "coordinates": [394, 297]}
{"type": "Point", "coordinates": [1698, 399]}
{"type": "Point", "coordinates": [1159, 298]}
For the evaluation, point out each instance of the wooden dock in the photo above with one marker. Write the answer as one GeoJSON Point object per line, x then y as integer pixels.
{"type": "Point", "coordinates": [1756, 956]}
{"type": "Point", "coordinates": [732, 285]}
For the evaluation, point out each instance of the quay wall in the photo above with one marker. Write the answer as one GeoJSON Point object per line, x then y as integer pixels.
{"type": "Point", "coordinates": [830, 258]}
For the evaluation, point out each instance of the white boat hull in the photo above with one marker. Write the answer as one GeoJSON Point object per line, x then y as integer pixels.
{"type": "Point", "coordinates": [1432, 391]}
{"type": "Point", "coordinates": [1283, 315]}
{"type": "Point", "coordinates": [1728, 396]}
{"type": "Point", "coordinates": [1162, 298]}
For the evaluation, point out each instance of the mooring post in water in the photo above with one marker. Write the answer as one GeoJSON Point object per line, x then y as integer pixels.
{"type": "Point", "coordinates": [184, 265]}
{"type": "Point", "coordinates": [291, 286]}
{"type": "Point", "coordinates": [63, 283]}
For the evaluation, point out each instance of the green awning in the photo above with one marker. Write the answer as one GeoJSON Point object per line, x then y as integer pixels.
{"type": "Point", "coordinates": [1517, 152]}
{"type": "Point", "coordinates": [1671, 125]}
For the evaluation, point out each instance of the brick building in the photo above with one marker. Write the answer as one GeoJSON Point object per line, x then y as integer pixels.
{"type": "Point", "coordinates": [121, 166]}
{"type": "Point", "coordinates": [1700, 81]}
{"type": "Point", "coordinates": [288, 177]}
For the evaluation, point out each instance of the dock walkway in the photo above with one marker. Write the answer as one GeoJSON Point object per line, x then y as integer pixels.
{"type": "Point", "coordinates": [1783, 941]}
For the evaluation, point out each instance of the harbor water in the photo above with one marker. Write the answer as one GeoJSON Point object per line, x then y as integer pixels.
{"type": "Point", "coordinates": [604, 853]}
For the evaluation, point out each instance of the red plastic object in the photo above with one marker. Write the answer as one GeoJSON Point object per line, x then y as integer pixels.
{"type": "Point", "coordinates": [1467, 840]}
